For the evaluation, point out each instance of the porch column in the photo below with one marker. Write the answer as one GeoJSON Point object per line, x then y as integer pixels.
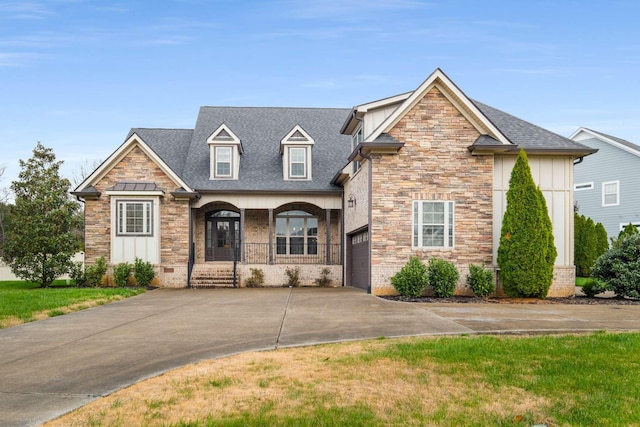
{"type": "Point", "coordinates": [328, 227]}
{"type": "Point", "coordinates": [270, 236]}
{"type": "Point", "coordinates": [242, 257]}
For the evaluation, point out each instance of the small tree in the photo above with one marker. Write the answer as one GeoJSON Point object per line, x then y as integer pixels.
{"type": "Point", "coordinates": [40, 242]}
{"type": "Point", "coordinates": [527, 253]}
{"type": "Point", "coordinates": [411, 280]}
{"type": "Point", "coordinates": [602, 241]}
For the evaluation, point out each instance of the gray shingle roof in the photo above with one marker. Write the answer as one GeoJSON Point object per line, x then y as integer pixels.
{"type": "Point", "coordinates": [618, 140]}
{"type": "Point", "coordinates": [527, 135]}
{"type": "Point", "coordinates": [169, 144]}
{"type": "Point", "coordinates": [260, 129]}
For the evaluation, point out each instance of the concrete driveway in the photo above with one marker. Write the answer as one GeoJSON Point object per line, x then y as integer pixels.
{"type": "Point", "coordinates": [52, 366]}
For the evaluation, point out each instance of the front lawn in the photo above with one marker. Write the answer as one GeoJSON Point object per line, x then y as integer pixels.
{"type": "Point", "coordinates": [569, 380]}
{"type": "Point", "coordinates": [22, 302]}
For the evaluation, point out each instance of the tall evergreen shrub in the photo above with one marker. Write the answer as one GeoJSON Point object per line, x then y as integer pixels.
{"type": "Point", "coordinates": [527, 253]}
{"type": "Point", "coordinates": [585, 245]}
{"type": "Point", "coordinates": [602, 240]}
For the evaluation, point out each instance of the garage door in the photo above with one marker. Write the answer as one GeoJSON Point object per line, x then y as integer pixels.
{"type": "Point", "coordinates": [359, 259]}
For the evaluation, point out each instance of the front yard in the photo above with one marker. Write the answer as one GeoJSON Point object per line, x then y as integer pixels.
{"type": "Point", "coordinates": [22, 302]}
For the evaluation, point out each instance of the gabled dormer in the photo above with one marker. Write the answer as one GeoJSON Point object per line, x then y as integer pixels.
{"type": "Point", "coordinates": [295, 149]}
{"type": "Point", "coordinates": [225, 149]}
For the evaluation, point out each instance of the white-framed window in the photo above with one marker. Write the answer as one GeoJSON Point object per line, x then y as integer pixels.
{"type": "Point", "coordinates": [134, 217]}
{"type": "Point", "coordinates": [624, 224]}
{"type": "Point", "coordinates": [611, 193]}
{"type": "Point", "coordinates": [223, 160]}
{"type": "Point", "coordinates": [583, 186]}
{"type": "Point", "coordinates": [356, 139]}
{"type": "Point", "coordinates": [298, 162]}
{"type": "Point", "coordinates": [296, 233]}
{"type": "Point", "coordinates": [433, 224]}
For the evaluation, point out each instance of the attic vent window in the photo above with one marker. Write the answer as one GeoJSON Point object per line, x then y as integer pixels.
{"type": "Point", "coordinates": [225, 149]}
{"type": "Point", "coordinates": [295, 148]}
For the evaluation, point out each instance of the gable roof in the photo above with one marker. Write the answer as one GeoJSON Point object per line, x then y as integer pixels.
{"type": "Point", "coordinates": [623, 144]}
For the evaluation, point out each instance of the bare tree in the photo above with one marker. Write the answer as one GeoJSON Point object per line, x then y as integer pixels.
{"type": "Point", "coordinates": [83, 171]}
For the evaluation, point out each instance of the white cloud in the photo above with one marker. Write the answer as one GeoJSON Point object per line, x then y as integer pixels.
{"type": "Point", "coordinates": [24, 10]}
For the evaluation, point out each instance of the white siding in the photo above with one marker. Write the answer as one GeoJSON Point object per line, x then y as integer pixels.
{"type": "Point", "coordinates": [128, 248]}
{"type": "Point", "coordinates": [554, 177]}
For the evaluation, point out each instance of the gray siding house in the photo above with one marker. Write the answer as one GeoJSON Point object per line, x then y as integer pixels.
{"type": "Point", "coordinates": [607, 185]}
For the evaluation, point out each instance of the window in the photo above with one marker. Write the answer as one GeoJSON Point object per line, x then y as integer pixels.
{"type": "Point", "coordinates": [135, 218]}
{"type": "Point", "coordinates": [297, 162]}
{"type": "Point", "coordinates": [583, 186]}
{"type": "Point", "coordinates": [611, 193]}
{"type": "Point", "coordinates": [433, 224]}
{"type": "Point", "coordinates": [223, 162]}
{"type": "Point", "coordinates": [355, 140]}
{"type": "Point", "coordinates": [296, 233]}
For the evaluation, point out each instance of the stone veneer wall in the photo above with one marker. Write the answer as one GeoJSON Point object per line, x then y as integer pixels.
{"type": "Point", "coordinates": [174, 217]}
{"type": "Point", "coordinates": [275, 275]}
{"type": "Point", "coordinates": [434, 164]}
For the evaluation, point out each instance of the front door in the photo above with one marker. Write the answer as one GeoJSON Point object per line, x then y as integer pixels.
{"type": "Point", "coordinates": [222, 236]}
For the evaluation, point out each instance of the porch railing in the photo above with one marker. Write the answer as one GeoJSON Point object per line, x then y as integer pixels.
{"type": "Point", "coordinates": [320, 253]}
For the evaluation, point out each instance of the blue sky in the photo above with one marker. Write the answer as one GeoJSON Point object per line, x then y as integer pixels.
{"type": "Point", "coordinates": [78, 74]}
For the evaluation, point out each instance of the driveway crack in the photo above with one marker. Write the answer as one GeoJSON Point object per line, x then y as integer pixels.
{"type": "Point", "coordinates": [284, 316]}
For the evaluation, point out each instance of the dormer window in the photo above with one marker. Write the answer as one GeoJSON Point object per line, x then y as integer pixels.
{"type": "Point", "coordinates": [295, 148]}
{"type": "Point", "coordinates": [225, 151]}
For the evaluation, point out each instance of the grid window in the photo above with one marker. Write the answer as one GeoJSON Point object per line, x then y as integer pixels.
{"type": "Point", "coordinates": [296, 233]}
{"type": "Point", "coordinates": [223, 162]}
{"type": "Point", "coordinates": [297, 162]}
{"type": "Point", "coordinates": [433, 224]}
{"type": "Point", "coordinates": [135, 218]}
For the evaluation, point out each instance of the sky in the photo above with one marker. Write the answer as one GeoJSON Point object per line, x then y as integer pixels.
{"type": "Point", "coordinates": [76, 75]}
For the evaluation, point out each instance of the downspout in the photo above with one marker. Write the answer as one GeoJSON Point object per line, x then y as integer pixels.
{"type": "Point", "coordinates": [191, 248]}
{"type": "Point", "coordinates": [578, 161]}
{"type": "Point", "coordinates": [370, 162]}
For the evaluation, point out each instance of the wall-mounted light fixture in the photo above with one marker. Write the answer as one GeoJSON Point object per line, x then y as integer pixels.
{"type": "Point", "coordinates": [351, 201]}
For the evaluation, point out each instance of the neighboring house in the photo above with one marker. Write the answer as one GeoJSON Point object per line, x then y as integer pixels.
{"type": "Point", "coordinates": [425, 172]}
{"type": "Point", "coordinates": [607, 186]}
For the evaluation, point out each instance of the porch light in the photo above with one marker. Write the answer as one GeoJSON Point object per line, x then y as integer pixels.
{"type": "Point", "coordinates": [351, 202]}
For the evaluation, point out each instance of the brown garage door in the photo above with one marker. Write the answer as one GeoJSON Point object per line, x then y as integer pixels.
{"type": "Point", "coordinates": [359, 260]}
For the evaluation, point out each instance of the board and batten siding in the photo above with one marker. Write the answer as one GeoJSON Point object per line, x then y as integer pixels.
{"type": "Point", "coordinates": [610, 163]}
{"type": "Point", "coordinates": [554, 177]}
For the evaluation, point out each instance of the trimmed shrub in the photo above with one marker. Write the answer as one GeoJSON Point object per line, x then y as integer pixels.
{"type": "Point", "coordinates": [256, 280]}
{"type": "Point", "coordinates": [324, 280]}
{"type": "Point", "coordinates": [95, 272]}
{"type": "Point", "coordinates": [443, 277]}
{"type": "Point", "coordinates": [143, 273]}
{"type": "Point", "coordinates": [293, 277]}
{"type": "Point", "coordinates": [527, 253]}
{"type": "Point", "coordinates": [412, 279]}
{"type": "Point", "coordinates": [592, 287]}
{"type": "Point", "coordinates": [619, 267]}
{"type": "Point", "coordinates": [480, 280]}
{"type": "Point", "coordinates": [121, 274]}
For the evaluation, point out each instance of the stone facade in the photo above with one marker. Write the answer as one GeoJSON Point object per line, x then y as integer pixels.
{"type": "Point", "coordinates": [174, 217]}
{"type": "Point", "coordinates": [434, 164]}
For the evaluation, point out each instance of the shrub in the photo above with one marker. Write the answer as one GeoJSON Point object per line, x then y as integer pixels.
{"type": "Point", "coordinates": [412, 279]}
{"type": "Point", "coordinates": [480, 280]}
{"type": "Point", "coordinates": [293, 275]}
{"type": "Point", "coordinates": [121, 274]}
{"type": "Point", "coordinates": [592, 287]}
{"type": "Point", "coordinates": [619, 267]}
{"type": "Point", "coordinates": [627, 231]}
{"type": "Point", "coordinates": [94, 273]}
{"type": "Point", "coordinates": [527, 253]}
{"type": "Point", "coordinates": [324, 280]}
{"type": "Point", "coordinates": [76, 273]}
{"type": "Point", "coordinates": [256, 280]}
{"type": "Point", "coordinates": [585, 244]}
{"type": "Point", "coordinates": [143, 273]}
{"type": "Point", "coordinates": [443, 277]}
{"type": "Point", "coordinates": [602, 241]}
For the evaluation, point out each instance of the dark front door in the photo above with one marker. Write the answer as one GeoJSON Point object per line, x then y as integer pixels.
{"type": "Point", "coordinates": [222, 236]}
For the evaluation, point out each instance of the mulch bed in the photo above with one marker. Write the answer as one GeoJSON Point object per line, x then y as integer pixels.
{"type": "Point", "coordinates": [478, 300]}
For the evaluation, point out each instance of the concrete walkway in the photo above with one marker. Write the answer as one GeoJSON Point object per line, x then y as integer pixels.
{"type": "Point", "coordinates": [52, 366]}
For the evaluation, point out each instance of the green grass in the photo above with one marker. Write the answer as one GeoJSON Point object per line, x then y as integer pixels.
{"type": "Point", "coordinates": [21, 300]}
{"type": "Point", "coordinates": [581, 280]}
{"type": "Point", "coordinates": [582, 380]}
